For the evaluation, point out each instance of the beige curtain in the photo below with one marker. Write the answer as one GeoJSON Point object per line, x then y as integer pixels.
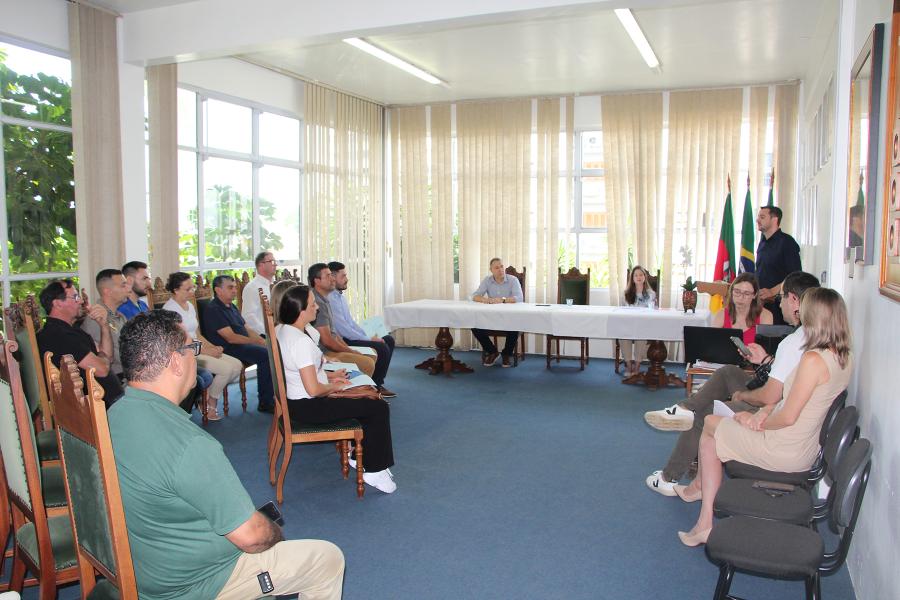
{"type": "Point", "coordinates": [704, 148]}
{"type": "Point", "coordinates": [494, 143]}
{"type": "Point", "coordinates": [759, 115]}
{"type": "Point", "coordinates": [96, 137]}
{"type": "Point", "coordinates": [342, 185]}
{"type": "Point", "coordinates": [162, 85]}
{"type": "Point", "coordinates": [786, 126]}
{"type": "Point", "coordinates": [632, 151]}
{"type": "Point", "coordinates": [422, 210]}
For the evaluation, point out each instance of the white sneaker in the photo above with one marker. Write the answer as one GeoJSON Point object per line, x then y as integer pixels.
{"type": "Point", "coordinates": [381, 480]}
{"type": "Point", "coordinates": [673, 418]}
{"type": "Point", "coordinates": [658, 484]}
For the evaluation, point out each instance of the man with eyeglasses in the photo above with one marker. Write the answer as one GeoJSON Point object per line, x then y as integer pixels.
{"type": "Point", "coordinates": [193, 528]}
{"type": "Point", "coordinates": [251, 310]}
{"type": "Point", "coordinates": [64, 307]}
{"type": "Point", "coordinates": [729, 384]}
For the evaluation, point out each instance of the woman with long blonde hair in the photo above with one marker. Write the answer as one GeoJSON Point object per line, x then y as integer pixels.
{"type": "Point", "coordinates": [782, 436]}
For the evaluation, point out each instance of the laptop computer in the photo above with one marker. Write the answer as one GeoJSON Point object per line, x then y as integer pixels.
{"type": "Point", "coordinates": [711, 344]}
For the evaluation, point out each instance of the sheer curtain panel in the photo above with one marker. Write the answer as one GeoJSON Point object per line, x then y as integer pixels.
{"type": "Point", "coordinates": [162, 85]}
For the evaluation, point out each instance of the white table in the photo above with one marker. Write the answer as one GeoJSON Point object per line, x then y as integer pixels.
{"type": "Point", "coordinates": [554, 319]}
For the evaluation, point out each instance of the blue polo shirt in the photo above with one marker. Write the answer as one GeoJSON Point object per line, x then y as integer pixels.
{"type": "Point", "coordinates": [217, 315]}
{"type": "Point", "coordinates": [776, 258]}
{"type": "Point", "coordinates": [131, 310]}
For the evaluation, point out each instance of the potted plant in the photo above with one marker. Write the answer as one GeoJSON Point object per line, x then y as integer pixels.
{"type": "Point", "coordinates": [689, 295]}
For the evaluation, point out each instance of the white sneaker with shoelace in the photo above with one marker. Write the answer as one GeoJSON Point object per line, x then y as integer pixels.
{"type": "Point", "coordinates": [674, 418]}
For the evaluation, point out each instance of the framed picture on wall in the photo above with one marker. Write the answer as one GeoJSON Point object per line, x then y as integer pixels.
{"type": "Point", "coordinates": [889, 281]}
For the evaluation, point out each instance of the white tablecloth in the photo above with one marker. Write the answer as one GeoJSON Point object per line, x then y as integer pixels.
{"type": "Point", "coordinates": [556, 319]}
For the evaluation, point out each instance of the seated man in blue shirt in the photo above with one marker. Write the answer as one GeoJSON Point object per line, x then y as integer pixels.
{"type": "Point", "coordinates": [193, 531]}
{"type": "Point", "coordinates": [497, 288]}
{"type": "Point", "coordinates": [353, 334]}
{"type": "Point", "coordinates": [224, 326]}
{"type": "Point", "coordinates": [139, 283]}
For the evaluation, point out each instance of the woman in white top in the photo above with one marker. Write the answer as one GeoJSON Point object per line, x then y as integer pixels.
{"type": "Point", "coordinates": [638, 293]}
{"type": "Point", "coordinates": [308, 386]}
{"type": "Point", "coordinates": [224, 368]}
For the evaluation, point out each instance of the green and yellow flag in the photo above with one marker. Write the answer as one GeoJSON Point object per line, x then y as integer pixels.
{"type": "Point", "coordinates": [748, 236]}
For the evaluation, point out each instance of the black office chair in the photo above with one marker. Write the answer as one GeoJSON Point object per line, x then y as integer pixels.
{"type": "Point", "coordinates": [785, 551]}
{"type": "Point", "coordinates": [748, 497]}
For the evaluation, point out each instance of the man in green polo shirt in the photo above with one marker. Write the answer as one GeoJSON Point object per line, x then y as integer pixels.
{"type": "Point", "coordinates": [193, 529]}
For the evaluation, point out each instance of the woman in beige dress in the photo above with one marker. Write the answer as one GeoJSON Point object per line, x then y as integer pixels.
{"type": "Point", "coordinates": [784, 436]}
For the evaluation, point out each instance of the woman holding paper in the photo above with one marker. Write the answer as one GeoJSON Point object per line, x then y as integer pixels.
{"type": "Point", "coordinates": [783, 436]}
{"type": "Point", "coordinates": [308, 386]}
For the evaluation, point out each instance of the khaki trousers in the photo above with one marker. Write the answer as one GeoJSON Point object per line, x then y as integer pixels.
{"type": "Point", "coordinates": [225, 369]}
{"type": "Point", "coordinates": [366, 364]}
{"type": "Point", "coordinates": [312, 568]}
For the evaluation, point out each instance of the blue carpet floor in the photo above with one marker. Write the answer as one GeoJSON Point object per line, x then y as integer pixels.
{"type": "Point", "coordinates": [513, 483]}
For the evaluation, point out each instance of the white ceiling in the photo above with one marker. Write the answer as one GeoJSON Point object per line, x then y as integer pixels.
{"type": "Point", "coordinates": [704, 45]}
{"type": "Point", "coordinates": [127, 6]}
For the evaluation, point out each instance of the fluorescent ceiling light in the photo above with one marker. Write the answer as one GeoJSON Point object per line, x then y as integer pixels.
{"type": "Point", "coordinates": [393, 60]}
{"type": "Point", "coordinates": [637, 36]}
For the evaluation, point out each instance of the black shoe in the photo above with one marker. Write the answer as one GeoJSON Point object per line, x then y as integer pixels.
{"type": "Point", "coordinates": [266, 409]}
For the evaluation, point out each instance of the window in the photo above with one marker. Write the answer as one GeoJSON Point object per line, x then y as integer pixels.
{"type": "Point", "coordinates": [239, 186]}
{"type": "Point", "coordinates": [37, 219]}
{"type": "Point", "coordinates": [586, 245]}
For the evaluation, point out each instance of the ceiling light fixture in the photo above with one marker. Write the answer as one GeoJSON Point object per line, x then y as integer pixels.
{"type": "Point", "coordinates": [626, 17]}
{"type": "Point", "coordinates": [393, 60]}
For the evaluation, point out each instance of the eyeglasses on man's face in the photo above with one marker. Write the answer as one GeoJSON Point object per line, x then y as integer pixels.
{"type": "Point", "coordinates": [194, 346]}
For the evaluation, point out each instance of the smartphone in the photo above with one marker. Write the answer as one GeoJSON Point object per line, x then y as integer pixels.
{"type": "Point", "coordinates": [271, 510]}
{"type": "Point", "coordinates": [774, 486]}
{"type": "Point", "coordinates": [741, 346]}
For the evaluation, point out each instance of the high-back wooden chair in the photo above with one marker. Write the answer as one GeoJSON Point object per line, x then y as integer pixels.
{"type": "Point", "coordinates": [575, 286]}
{"type": "Point", "coordinates": [203, 295]}
{"type": "Point", "coordinates": [22, 322]}
{"type": "Point", "coordinates": [242, 282]}
{"type": "Point", "coordinates": [92, 484]}
{"type": "Point", "coordinates": [285, 433]}
{"type": "Point", "coordinates": [43, 543]}
{"type": "Point", "coordinates": [654, 281]}
{"type": "Point", "coordinates": [520, 349]}
{"type": "Point", "coordinates": [158, 294]}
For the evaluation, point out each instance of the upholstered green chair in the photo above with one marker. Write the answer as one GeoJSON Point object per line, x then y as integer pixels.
{"type": "Point", "coordinates": [285, 433]}
{"type": "Point", "coordinates": [22, 320]}
{"type": "Point", "coordinates": [573, 286]}
{"type": "Point", "coordinates": [92, 486]}
{"type": "Point", "coordinates": [43, 543]}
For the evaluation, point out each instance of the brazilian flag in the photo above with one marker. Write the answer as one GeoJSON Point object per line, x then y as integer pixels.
{"type": "Point", "coordinates": [748, 237]}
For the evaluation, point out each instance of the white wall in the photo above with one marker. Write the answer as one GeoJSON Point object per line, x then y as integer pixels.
{"type": "Point", "coordinates": [240, 79]}
{"type": "Point", "coordinates": [40, 22]}
{"type": "Point", "coordinates": [875, 322]}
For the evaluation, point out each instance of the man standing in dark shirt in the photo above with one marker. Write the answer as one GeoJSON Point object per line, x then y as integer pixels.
{"type": "Point", "coordinates": [224, 326]}
{"type": "Point", "coordinates": [777, 255]}
{"type": "Point", "coordinates": [63, 305]}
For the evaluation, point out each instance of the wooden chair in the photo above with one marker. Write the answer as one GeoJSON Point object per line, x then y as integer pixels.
{"type": "Point", "coordinates": [340, 432]}
{"type": "Point", "coordinates": [654, 282]}
{"type": "Point", "coordinates": [519, 354]}
{"type": "Point", "coordinates": [576, 286]}
{"type": "Point", "coordinates": [22, 322]}
{"type": "Point", "coordinates": [242, 282]}
{"type": "Point", "coordinates": [92, 485]}
{"type": "Point", "coordinates": [202, 297]}
{"type": "Point", "coordinates": [43, 542]}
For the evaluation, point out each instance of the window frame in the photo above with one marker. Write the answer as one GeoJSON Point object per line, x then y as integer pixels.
{"type": "Point", "coordinates": [578, 173]}
{"type": "Point", "coordinates": [7, 278]}
{"type": "Point", "coordinates": [203, 152]}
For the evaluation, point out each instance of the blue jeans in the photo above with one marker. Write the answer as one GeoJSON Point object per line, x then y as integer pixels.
{"type": "Point", "coordinates": [204, 378]}
{"type": "Point", "coordinates": [252, 354]}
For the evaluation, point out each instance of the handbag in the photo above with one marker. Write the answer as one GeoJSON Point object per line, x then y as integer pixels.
{"type": "Point", "coordinates": [368, 392]}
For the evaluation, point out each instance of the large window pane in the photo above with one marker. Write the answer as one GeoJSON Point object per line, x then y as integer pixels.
{"type": "Point", "coordinates": [591, 150]}
{"type": "Point", "coordinates": [188, 239]}
{"type": "Point", "coordinates": [593, 202]}
{"type": "Point", "coordinates": [34, 85]}
{"type": "Point", "coordinates": [187, 118]}
{"type": "Point", "coordinates": [228, 210]}
{"type": "Point", "coordinates": [40, 200]}
{"type": "Point", "coordinates": [227, 126]}
{"type": "Point", "coordinates": [279, 211]}
{"type": "Point", "coordinates": [19, 290]}
{"type": "Point", "coordinates": [594, 255]}
{"type": "Point", "coordinates": [279, 137]}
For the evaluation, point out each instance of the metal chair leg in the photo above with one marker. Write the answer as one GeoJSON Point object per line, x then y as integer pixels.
{"type": "Point", "coordinates": [723, 586]}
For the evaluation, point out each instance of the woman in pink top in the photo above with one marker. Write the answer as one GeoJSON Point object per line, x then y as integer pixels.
{"type": "Point", "coordinates": [743, 311]}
